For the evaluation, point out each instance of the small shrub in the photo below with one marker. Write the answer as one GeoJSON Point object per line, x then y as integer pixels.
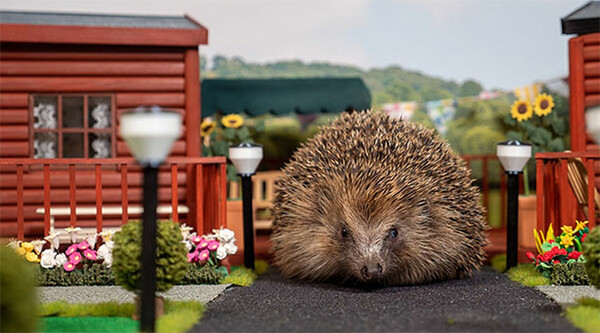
{"type": "Point", "coordinates": [572, 273]}
{"type": "Point", "coordinates": [18, 299]}
{"type": "Point", "coordinates": [91, 275]}
{"type": "Point", "coordinates": [591, 251]}
{"type": "Point", "coordinates": [206, 274]}
{"type": "Point", "coordinates": [171, 258]}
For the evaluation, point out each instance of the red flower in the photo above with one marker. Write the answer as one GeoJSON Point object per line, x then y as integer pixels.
{"type": "Point", "coordinates": [551, 241]}
{"type": "Point", "coordinates": [583, 237]}
{"type": "Point", "coordinates": [540, 257]}
{"type": "Point", "coordinates": [574, 255]}
{"type": "Point", "coordinates": [530, 256]}
{"type": "Point", "coordinates": [562, 252]}
{"type": "Point", "coordinates": [556, 262]}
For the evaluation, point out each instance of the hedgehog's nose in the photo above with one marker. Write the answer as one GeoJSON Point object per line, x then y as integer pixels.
{"type": "Point", "coordinates": [372, 271]}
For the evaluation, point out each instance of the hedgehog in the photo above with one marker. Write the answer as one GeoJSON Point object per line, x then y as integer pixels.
{"type": "Point", "coordinates": [373, 200]}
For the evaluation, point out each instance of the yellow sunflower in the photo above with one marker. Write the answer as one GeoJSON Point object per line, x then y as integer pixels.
{"type": "Point", "coordinates": [207, 127]}
{"type": "Point", "coordinates": [232, 121]}
{"type": "Point", "coordinates": [521, 110]}
{"type": "Point", "coordinates": [543, 104]}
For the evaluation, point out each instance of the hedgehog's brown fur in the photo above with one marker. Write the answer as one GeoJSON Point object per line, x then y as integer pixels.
{"type": "Point", "coordinates": [368, 174]}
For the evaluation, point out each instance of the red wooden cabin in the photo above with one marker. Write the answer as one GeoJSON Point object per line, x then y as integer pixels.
{"type": "Point", "coordinates": [556, 198]}
{"type": "Point", "coordinates": [64, 81]}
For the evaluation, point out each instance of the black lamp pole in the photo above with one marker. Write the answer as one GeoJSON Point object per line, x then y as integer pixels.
{"type": "Point", "coordinates": [248, 220]}
{"type": "Point", "coordinates": [512, 215]}
{"type": "Point", "coordinates": [148, 260]}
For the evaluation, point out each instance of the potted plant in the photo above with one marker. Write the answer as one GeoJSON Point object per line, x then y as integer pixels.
{"type": "Point", "coordinates": [171, 258]}
{"type": "Point", "coordinates": [546, 131]}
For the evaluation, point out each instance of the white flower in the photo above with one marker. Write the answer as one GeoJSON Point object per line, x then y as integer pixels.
{"type": "Point", "coordinates": [92, 240]}
{"type": "Point", "coordinates": [38, 244]}
{"type": "Point", "coordinates": [221, 252]}
{"type": "Point", "coordinates": [73, 233]}
{"type": "Point", "coordinates": [107, 235]}
{"type": "Point", "coordinates": [14, 243]}
{"type": "Point", "coordinates": [53, 240]}
{"type": "Point", "coordinates": [224, 235]}
{"type": "Point", "coordinates": [185, 230]}
{"type": "Point", "coordinates": [188, 245]}
{"type": "Point", "coordinates": [108, 260]}
{"type": "Point", "coordinates": [48, 259]}
{"type": "Point", "coordinates": [230, 248]}
{"type": "Point", "coordinates": [190, 236]}
{"type": "Point", "coordinates": [61, 259]}
{"type": "Point", "coordinates": [103, 251]}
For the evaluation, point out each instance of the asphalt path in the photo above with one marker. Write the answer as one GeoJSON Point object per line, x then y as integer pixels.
{"type": "Point", "coordinates": [486, 302]}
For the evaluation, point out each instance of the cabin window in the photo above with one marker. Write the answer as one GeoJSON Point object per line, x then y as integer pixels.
{"type": "Point", "coordinates": [72, 126]}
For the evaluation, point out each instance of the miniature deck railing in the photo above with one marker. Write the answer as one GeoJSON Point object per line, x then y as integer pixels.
{"type": "Point", "coordinates": [204, 179]}
{"type": "Point", "coordinates": [556, 200]}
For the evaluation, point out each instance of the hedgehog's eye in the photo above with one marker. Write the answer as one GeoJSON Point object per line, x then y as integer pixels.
{"type": "Point", "coordinates": [344, 232]}
{"type": "Point", "coordinates": [393, 233]}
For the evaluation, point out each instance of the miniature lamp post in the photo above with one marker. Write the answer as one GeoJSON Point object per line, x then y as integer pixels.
{"type": "Point", "coordinates": [245, 158]}
{"type": "Point", "coordinates": [513, 156]}
{"type": "Point", "coordinates": [149, 133]}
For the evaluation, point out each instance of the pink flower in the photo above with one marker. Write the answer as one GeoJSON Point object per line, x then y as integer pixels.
{"type": "Point", "coordinates": [203, 255]}
{"type": "Point", "coordinates": [71, 249]}
{"type": "Point", "coordinates": [213, 245]}
{"type": "Point", "coordinates": [193, 256]}
{"type": "Point", "coordinates": [69, 266]}
{"type": "Point", "coordinates": [90, 254]}
{"type": "Point", "coordinates": [75, 258]}
{"type": "Point", "coordinates": [197, 239]}
{"type": "Point", "coordinates": [83, 246]}
{"type": "Point", "coordinates": [574, 255]}
{"type": "Point", "coordinates": [203, 243]}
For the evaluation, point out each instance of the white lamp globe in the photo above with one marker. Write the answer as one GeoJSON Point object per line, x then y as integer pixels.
{"type": "Point", "coordinates": [246, 157]}
{"type": "Point", "coordinates": [592, 121]}
{"type": "Point", "coordinates": [150, 133]}
{"type": "Point", "coordinates": [513, 155]}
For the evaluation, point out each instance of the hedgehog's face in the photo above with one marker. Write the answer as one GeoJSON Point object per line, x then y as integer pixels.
{"type": "Point", "coordinates": [372, 237]}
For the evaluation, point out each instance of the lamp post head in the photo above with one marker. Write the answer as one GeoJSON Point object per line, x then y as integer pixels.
{"type": "Point", "coordinates": [149, 133]}
{"type": "Point", "coordinates": [513, 155]}
{"type": "Point", "coordinates": [246, 157]}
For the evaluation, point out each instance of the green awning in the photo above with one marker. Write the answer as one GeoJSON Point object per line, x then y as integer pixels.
{"type": "Point", "coordinates": [283, 96]}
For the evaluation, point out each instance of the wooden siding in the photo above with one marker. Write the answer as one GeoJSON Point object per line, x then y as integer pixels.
{"type": "Point", "coordinates": [134, 76]}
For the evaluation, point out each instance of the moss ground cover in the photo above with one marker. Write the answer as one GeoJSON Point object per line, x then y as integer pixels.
{"type": "Point", "coordinates": [585, 315]}
{"type": "Point", "coordinates": [115, 317]}
{"type": "Point", "coordinates": [526, 275]}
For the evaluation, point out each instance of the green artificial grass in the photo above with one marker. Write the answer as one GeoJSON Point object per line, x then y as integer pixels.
{"type": "Point", "coordinates": [499, 263]}
{"type": "Point", "coordinates": [240, 276]}
{"type": "Point", "coordinates": [526, 275]}
{"type": "Point", "coordinates": [89, 324]}
{"type": "Point", "coordinates": [585, 315]}
{"type": "Point", "coordinates": [260, 266]}
{"type": "Point", "coordinates": [178, 317]}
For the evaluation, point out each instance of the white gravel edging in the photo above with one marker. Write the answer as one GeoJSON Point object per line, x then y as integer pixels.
{"type": "Point", "coordinates": [99, 294]}
{"type": "Point", "coordinates": [566, 295]}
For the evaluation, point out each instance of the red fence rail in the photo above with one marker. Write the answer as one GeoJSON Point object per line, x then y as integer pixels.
{"type": "Point", "coordinates": [556, 201]}
{"type": "Point", "coordinates": [206, 203]}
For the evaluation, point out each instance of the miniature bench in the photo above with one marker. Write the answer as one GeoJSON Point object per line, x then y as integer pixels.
{"type": "Point", "coordinates": [106, 210]}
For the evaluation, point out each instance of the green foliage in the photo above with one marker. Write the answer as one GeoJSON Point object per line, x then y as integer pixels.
{"type": "Point", "coordinates": [499, 263]}
{"type": "Point", "coordinates": [240, 276]}
{"type": "Point", "coordinates": [179, 316]}
{"type": "Point", "coordinates": [207, 274]}
{"type": "Point", "coordinates": [108, 309]}
{"type": "Point", "coordinates": [526, 275]}
{"type": "Point", "coordinates": [18, 298]}
{"type": "Point", "coordinates": [585, 316]}
{"type": "Point", "coordinates": [588, 301]}
{"type": "Point", "coordinates": [260, 266]}
{"type": "Point", "coordinates": [171, 255]}
{"type": "Point", "coordinates": [89, 324]}
{"type": "Point", "coordinates": [470, 88]}
{"type": "Point", "coordinates": [570, 273]}
{"type": "Point", "coordinates": [94, 274]}
{"type": "Point", "coordinates": [481, 140]}
{"type": "Point", "coordinates": [591, 251]}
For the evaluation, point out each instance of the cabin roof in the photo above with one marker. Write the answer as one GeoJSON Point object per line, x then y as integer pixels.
{"type": "Point", "coordinates": [106, 29]}
{"type": "Point", "coordinates": [583, 20]}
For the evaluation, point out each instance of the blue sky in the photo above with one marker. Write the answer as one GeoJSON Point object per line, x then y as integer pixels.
{"type": "Point", "coordinates": [500, 43]}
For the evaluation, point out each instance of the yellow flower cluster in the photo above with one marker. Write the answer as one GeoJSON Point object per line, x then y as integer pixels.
{"type": "Point", "coordinates": [523, 110]}
{"type": "Point", "coordinates": [25, 249]}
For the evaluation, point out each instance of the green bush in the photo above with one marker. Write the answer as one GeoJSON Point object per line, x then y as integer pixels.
{"type": "Point", "coordinates": [591, 251]}
{"type": "Point", "coordinates": [171, 256]}
{"type": "Point", "coordinates": [18, 299]}
{"type": "Point", "coordinates": [206, 274]}
{"type": "Point", "coordinates": [91, 275]}
{"type": "Point", "coordinates": [572, 273]}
